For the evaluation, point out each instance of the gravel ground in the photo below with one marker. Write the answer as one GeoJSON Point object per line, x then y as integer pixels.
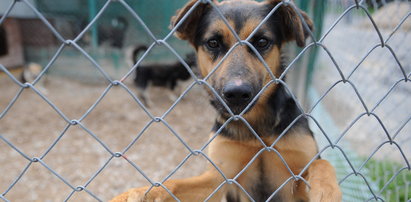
{"type": "Point", "coordinates": [32, 126]}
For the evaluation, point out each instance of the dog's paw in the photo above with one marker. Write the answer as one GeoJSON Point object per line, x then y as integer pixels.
{"type": "Point", "coordinates": [325, 192]}
{"type": "Point", "coordinates": [140, 195]}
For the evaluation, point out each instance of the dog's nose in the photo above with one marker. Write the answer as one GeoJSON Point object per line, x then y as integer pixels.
{"type": "Point", "coordinates": [237, 94]}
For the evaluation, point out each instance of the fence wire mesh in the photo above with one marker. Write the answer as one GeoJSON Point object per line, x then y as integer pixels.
{"type": "Point", "coordinates": [332, 139]}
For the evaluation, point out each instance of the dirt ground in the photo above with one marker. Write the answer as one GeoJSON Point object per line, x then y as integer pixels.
{"type": "Point", "coordinates": [32, 126]}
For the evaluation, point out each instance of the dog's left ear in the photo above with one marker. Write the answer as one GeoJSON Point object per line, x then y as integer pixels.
{"type": "Point", "coordinates": [292, 26]}
{"type": "Point", "coordinates": [188, 27]}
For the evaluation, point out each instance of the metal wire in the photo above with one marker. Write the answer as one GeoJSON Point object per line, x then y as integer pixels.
{"type": "Point", "coordinates": [333, 144]}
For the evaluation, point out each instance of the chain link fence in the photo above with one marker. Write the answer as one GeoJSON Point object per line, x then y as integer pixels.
{"type": "Point", "coordinates": [70, 157]}
{"type": "Point", "coordinates": [377, 74]}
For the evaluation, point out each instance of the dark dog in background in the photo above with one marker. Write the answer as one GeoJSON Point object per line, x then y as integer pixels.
{"type": "Point", "coordinates": [164, 75]}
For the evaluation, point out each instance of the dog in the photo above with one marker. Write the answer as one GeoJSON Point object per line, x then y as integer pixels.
{"type": "Point", "coordinates": [258, 173]}
{"type": "Point", "coordinates": [161, 75]}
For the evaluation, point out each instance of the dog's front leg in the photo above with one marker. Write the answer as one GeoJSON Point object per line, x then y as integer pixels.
{"type": "Point", "coordinates": [228, 155]}
{"type": "Point", "coordinates": [190, 189]}
{"type": "Point", "coordinates": [323, 182]}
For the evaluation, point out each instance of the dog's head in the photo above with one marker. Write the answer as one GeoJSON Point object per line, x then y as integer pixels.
{"type": "Point", "coordinates": [241, 75]}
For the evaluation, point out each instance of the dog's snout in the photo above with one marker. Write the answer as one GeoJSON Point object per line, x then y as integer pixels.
{"type": "Point", "coordinates": [237, 94]}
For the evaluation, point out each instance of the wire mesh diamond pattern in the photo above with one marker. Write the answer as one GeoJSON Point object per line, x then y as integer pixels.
{"type": "Point", "coordinates": [333, 142]}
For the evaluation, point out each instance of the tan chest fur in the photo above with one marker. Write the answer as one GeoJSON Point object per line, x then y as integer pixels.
{"type": "Point", "coordinates": [255, 167]}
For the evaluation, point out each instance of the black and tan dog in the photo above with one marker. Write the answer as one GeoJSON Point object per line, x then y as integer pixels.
{"type": "Point", "coordinates": [165, 75]}
{"type": "Point", "coordinates": [261, 174]}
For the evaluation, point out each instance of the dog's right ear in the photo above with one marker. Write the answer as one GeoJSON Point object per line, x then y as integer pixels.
{"type": "Point", "coordinates": [187, 29]}
{"type": "Point", "coordinates": [291, 25]}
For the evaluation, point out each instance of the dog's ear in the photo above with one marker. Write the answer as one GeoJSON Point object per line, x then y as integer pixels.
{"type": "Point", "coordinates": [187, 30]}
{"type": "Point", "coordinates": [292, 26]}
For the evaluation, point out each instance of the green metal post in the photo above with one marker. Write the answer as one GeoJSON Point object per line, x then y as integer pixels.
{"type": "Point", "coordinates": [319, 7]}
{"type": "Point", "coordinates": [92, 6]}
{"type": "Point", "coordinates": [303, 5]}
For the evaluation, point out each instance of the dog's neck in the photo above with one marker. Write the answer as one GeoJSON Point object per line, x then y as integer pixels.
{"type": "Point", "coordinates": [266, 119]}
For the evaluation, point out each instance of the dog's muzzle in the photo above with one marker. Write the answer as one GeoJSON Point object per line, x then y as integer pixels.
{"type": "Point", "coordinates": [237, 95]}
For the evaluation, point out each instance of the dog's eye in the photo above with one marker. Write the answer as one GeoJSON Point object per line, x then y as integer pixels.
{"type": "Point", "coordinates": [262, 43]}
{"type": "Point", "coordinates": [212, 43]}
